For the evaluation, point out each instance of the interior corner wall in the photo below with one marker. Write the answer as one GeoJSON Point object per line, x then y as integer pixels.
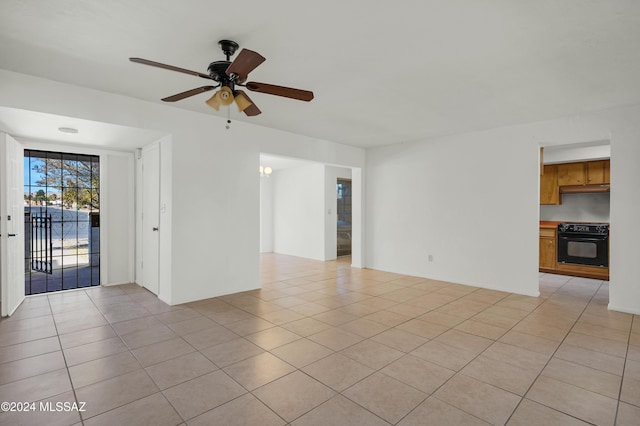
{"type": "Point", "coordinates": [214, 208]}
{"type": "Point", "coordinates": [624, 268]}
{"type": "Point", "coordinates": [117, 207]}
{"type": "Point", "coordinates": [138, 218]}
{"type": "Point", "coordinates": [471, 201]}
{"type": "Point", "coordinates": [299, 211]}
{"type": "Point", "coordinates": [166, 286]}
{"type": "Point", "coordinates": [358, 218]}
{"type": "Point", "coordinates": [447, 199]}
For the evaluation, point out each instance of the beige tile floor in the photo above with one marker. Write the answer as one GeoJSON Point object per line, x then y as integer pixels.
{"type": "Point", "coordinates": [324, 344]}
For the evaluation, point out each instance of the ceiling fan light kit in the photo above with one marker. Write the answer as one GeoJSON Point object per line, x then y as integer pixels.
{"type": "Point", "coordinates": [241, 101]}
{"type": "Point", "coordinates": [228, 75]}
{"type": "Point", "coordinates": [214, 102]}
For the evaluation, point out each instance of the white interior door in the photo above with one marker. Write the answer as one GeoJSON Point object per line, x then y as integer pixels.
{"type": "Point", "coordinates": [11, 224]}
{"type": "Point", "coordinates": [151, 217]}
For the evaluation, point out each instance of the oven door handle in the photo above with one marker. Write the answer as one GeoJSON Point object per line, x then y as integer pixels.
{"type": "Point", "coordinates": [584, 239]}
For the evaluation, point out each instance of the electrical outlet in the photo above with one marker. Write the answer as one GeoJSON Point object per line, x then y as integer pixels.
{"type": "Point", "coordinates": [430, 258]}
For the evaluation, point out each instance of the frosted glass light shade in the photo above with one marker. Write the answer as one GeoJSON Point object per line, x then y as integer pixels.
{"type": "Point", "coordinates": [214, 101]}
{"type": "Point", "coordinates": [242, 102]}
{"type": "Point", "coordinates": [225, 95]}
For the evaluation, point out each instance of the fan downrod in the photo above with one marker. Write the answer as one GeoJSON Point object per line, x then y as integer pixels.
{"type": "Point", "coordinates": [228, 47]}
{"type": "Point", "coordinates": [218, 69]}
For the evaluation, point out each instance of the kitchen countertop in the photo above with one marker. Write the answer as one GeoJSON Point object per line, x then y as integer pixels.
{"type": "Point", "coordinates": [549, 224]}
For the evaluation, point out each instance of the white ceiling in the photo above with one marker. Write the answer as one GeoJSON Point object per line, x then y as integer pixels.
{"type": "Point", "coordinates": [39, 126]}
{"type": "Point", "coordinates": [382, 72]}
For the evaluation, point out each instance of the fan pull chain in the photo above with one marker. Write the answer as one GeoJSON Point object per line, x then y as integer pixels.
{"type": "Point", "coordinates": [228, 126]}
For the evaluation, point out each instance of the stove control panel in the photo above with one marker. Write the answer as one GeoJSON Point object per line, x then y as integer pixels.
{"type": "Point", "coordinates": [584, 228]}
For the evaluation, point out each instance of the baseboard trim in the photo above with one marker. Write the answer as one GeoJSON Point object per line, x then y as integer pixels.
{"type": "Point", "coordinates": [623, 309]}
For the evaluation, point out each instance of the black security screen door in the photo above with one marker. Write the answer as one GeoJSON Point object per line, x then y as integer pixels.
{"type": "Point", "coordinates": [62, 221]}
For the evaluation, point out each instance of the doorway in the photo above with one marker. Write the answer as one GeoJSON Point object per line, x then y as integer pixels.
{"type": "Point", "coordinates": [309, 228]}
{"type": "Point", "coordinates": [344, 217]}
{"type": "Point", "coordinates": [11, 225]}
{"type": "Point", "coordinates": [150, 220]}
{"type": "Point", "coordinates": [62, 221]}
{"type": "Point", "coordinates": [574, 195]}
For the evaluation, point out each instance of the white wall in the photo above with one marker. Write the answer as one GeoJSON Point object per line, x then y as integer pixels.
{"type": "Point", "coordinates": [299, 211]}
{"type": "Point", "coordinates": [212, 247]}
{"type": "Point", "coordinates": [579, 208]}
{"type": "Point", "coordinates": [447, 198]}
{"type": "Point", "coordinates": [266, 215]}
{"type": "Point", "coordinates": [167, 286]}
{"type": "Point", "coordinates": [471, 201]}
{"type": "Point", "coordinates": [624, 291]}
{"type": "Point", "coordinates": [358, 219]}
{"type": "Point", "coordinates": [117, 209]}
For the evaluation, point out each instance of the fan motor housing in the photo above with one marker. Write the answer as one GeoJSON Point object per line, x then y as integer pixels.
{"type": "Point", "coordinates": [218, 69]}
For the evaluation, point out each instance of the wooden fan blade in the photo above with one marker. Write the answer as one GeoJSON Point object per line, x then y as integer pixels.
{"type": "Point", "coordinates": [252, 109]}
{"type": "Point", "coordinates": [286, 92]}
{"type": "Point", "coordinates": [169, 67]}
{"type": "Point", "coordinates": [188, 93]}
{"type": "Point", "coordinates": [246, 61]}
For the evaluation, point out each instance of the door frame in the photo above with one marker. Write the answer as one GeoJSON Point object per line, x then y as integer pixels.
{"type": "Point", "coordinates": [11, 274]}
{"type": "Point", "coordinates": [150, 218]}
{"type": "Point", "coordinates": [343, 180]}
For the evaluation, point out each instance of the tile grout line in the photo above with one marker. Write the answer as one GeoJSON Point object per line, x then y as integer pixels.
{"type": "Point", "coordinates": [456, 373]}
{"type": "Point", "coordinates": [411, 317]}
{"type": "Point", "coordinates": [546, 299]}
{"type": "Point", "coordinates": [624, 367]}
{"type": "Point", "coordinates": [307, 316]}
{"type": "Point", "coordinates": [553, 354]}
{"type": "Point", "coordinates": [433, 338]}
{"type": "Point", "coordinates": [341, 393]}
{"type": "Point", "coordinates": [120, 375]}
{"type": "Point", "coordinates": [64, 357]}
{"type": "Point", "coordinates": [160, 391]}
{"type": "Point", "coordinates": [409, 353]}
{"type": "Point", "coordinates": [480, 353]}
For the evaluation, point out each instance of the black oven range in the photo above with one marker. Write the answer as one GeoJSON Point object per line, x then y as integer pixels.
{"type": "Point", "coordinates": [583, 244]}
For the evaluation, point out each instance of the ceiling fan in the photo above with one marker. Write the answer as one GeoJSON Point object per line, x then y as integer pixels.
{"type": "Point", "coordinates": [229, 75]}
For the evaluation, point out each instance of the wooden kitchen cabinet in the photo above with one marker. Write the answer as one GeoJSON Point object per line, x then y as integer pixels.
{"type": "Point", "coordinates": [547, 250]}
{"type": "Point", "coordinates": [571, 174]}
{"type": "Point", "coordinates": [549, 192]}
{"type": "Point", "coordinates": [584, 173]}
{"type": "Point", "coordinates": [598, 172]}
{"type": "Point", "coordinates": [583, 176]}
